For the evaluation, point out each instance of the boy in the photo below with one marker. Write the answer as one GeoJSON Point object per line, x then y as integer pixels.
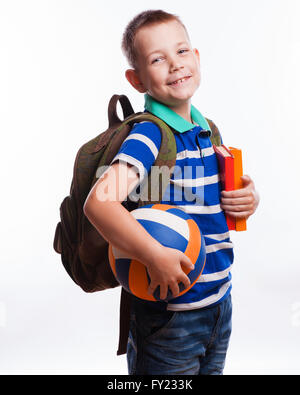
{"type": "Point", "coordinates": [190, 333]}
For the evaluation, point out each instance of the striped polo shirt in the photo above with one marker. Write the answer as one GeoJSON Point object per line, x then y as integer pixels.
{"type": "Point", "coordinates": [195, 188]}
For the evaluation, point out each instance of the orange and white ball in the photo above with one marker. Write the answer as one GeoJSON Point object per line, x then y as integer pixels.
{"type": "Point", "coordinates": [173, 228]}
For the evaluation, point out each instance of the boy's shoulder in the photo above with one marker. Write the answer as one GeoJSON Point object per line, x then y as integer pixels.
{"type": "Point", "coordinates": [146, 129]}
{"type": "Point", "coordinates": [150, 130]}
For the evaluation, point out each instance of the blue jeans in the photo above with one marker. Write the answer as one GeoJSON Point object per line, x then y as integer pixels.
{"type": "Point", "coordinates": [192, 342]}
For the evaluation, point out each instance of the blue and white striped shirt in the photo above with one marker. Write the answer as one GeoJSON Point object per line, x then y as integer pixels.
{"type": "Point", "coordinates": [195, 177]}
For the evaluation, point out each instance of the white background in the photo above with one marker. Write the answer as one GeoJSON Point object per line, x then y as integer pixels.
{"type": "Point", "coordinates": [60, 63]}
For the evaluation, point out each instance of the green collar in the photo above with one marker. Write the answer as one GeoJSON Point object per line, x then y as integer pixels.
{"type": "Point", "coordinates": [172, 118]}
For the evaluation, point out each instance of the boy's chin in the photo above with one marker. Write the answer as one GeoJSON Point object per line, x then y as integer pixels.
{"type": "Point", "coordinates": [181, 97]}
{"type": "Point", "coordinates": [178, 101]}
{"type": "Point", "coordinates": [175, 100]}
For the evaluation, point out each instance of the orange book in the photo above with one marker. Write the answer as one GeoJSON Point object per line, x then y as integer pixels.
{"type": "Point", "coordinates": [226, 170]}
{"type": "Point", "coordinates": [240, 223]}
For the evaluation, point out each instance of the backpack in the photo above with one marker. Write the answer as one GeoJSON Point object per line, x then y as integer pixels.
{"type": "Point", "coordinates": [84, 252]}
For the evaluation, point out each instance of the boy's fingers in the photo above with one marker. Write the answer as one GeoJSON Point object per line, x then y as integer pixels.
{"type": "Point", "coordinates": [238, 208]}
{"type": "Point", "coordinates": [174, 289]}
{"type": "Point", "coordinates": [175, 286]}
{"type": "Point", "coordinates": [152, 287]}
{"type": "Point", "coordinates": [163, 289]}
{"type": "Point", "coordinates": [237, 201]}
{"type": "Point", "coordinates": [187, 262]}
{"type": "Point", "coordinates": [163, 292]}
{"type": "Point", "coordinates": [246, 180]}
{"type": "Point", "coordinates": [186, 281]}
{"type": "Point", "coordinates": [240, 214]}
{"type": "Point", "coordinates": [238, 193]}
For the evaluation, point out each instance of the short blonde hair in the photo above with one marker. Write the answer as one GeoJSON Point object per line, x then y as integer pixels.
{"type": "Point", "coordinates": [145, 18]}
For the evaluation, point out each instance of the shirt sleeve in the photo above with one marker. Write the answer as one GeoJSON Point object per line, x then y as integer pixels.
{"type": "Point", "coordinates": [141, 147]}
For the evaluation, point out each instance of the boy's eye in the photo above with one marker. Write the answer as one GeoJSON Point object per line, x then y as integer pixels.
{"type": "Point", "coordinates": [182, 51]}
{"type": "Point", "coordinates": [160, 58]}
{"type": "Point", "coordinates": [156, 60]}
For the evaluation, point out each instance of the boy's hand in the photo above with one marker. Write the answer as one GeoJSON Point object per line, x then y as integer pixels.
{"type": "Point", "coordinates": [165, 270]}
{"type": "Point", "coordinates": [241, 203]}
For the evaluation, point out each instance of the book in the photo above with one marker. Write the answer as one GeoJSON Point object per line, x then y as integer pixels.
{"type": "Point", "coordinates": [231, 170]}
{"type": "Point", "coordinates": [240, 223]}
{"type": "Point", "coordinates": [226, 171]}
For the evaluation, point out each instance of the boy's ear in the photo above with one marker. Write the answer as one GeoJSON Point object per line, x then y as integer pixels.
{"type": "Point", "coordinates": [196, 52]}
{"type": "Point", "coordinates": [134, 80]}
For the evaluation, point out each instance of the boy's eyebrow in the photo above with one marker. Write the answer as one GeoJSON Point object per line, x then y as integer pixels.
{"type": "Point", "coordinates": [182, 42]}
{"type": "Point", "coordinates": [159, 50]}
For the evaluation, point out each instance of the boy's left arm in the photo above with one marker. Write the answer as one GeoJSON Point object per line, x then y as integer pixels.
{"type": "Point", "coordinates": [241, 203]}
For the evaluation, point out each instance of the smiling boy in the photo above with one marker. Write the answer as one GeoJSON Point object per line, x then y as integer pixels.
{"type": "Point", "coordinates": [167, 68]}
{"type": "Point", "coordinates": [190, 333]}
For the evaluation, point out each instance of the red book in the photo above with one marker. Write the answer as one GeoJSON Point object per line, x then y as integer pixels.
{"type": "Point", "coordinates": [226, 171]}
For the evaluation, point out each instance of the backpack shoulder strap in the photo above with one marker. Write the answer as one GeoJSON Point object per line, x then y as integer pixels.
{"type": "Point", "coordinates": [216, 136]}
{"type": "Point", "coordinates": [167, 152]}
{"type": "Point", "coordinates": [164, 163]}
{"type": "Point", "coordinates": [166, 156]}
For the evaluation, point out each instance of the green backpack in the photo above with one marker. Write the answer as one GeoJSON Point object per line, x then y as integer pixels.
{"type": "Point", "coordinates": [84, 252]}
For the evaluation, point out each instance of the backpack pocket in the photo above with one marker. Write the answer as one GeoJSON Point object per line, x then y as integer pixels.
{"type": "Point", "coordinates": [69, 221]}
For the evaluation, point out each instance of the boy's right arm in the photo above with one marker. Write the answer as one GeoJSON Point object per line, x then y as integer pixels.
{"type": "Point", "coordinates": [104, 210]}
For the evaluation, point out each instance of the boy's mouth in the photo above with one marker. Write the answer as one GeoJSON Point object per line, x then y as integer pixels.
{"type": "Point", "coordinates": [179, 80]}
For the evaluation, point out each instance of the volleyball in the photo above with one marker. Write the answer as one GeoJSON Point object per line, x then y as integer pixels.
{"type": "Point", "coordinates": [173, 228]}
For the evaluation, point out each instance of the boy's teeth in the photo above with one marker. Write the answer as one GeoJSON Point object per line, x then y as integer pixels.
{"type": "Point", "coordinates": [176, 82]}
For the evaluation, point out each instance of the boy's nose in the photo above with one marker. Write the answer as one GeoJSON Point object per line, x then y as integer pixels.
{"type": "Point", "coordinates": [174, 66]}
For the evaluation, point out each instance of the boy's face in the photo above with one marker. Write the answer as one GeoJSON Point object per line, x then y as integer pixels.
{"type": "Point", "coordinates": [168, 68]}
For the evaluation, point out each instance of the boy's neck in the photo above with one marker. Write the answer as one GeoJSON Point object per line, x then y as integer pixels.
{"type": "Point", "coordinates": [184, 110]}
